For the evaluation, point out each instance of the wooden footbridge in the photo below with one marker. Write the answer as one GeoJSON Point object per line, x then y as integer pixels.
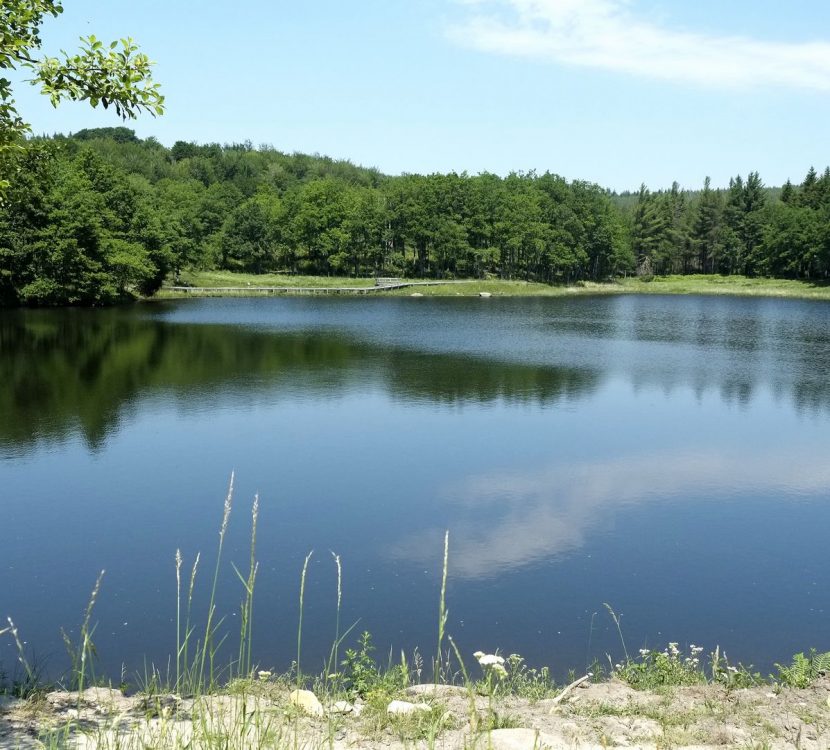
{"type": "Point", "coordinates": [380, 285]}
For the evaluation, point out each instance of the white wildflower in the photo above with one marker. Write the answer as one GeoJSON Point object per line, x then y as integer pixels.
{"type": "Point", "coordinates": [263, 674]}
{"type": "Point", "coordinates": [488, 660]}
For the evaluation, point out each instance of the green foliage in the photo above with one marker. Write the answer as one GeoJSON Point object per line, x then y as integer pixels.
{"type": "Point", "coordinates": [360, 672]}
{"type": "Point", "coordinates": [361, 675]}
{"type": "Point", "coordinates": [150, 210]}
{"type": "Point", "coordinates": [804, 669]}
{"type": "Point", "coordinates": [115, 74]}
{"type": "Point", "coordinates": [527, 682]}
{"type": "Point", "coordinates": [731, 676]}
{"type": "Point", "coordinates": [669, 667]}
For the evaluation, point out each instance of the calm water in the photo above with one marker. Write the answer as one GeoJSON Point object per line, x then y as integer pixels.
{"type": "Point", "coordinates": [666, 455]}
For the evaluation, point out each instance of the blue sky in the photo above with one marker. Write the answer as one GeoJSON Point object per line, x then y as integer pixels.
{"type": "Point", "coordinates": [617, 92]}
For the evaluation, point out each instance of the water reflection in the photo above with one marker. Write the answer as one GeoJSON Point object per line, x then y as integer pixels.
{"type": "Point", "coordinates": [85, 371]}
{"type": "Point", "coordinates": [572, 446]}
{"type": "Point", "coordinates": [505, 520]}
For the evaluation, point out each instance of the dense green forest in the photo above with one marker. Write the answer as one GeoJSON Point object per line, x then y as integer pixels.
{"type": "Point", "coordinates": [103, 215]}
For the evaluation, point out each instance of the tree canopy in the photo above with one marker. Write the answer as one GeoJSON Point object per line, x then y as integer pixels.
{"type": "Point", "coordinates": [103, 215]}
{"type": "Point", "coordinates": [113, 75]}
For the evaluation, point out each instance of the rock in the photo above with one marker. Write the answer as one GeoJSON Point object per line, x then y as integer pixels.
{"type": "Point", "coordinates": [341, 707]}
{"type": "Point", "coordinates": [404, 708]}
{"type": "Point", "coordinates": [614, 693]}
{"type": "Point", "coordinates": [110, 700]}
{"type": "Point", "coordinates": [484, 294]}
{"type": "Point", "coordinates": [307, 702]}
{"type": "Point", "coordinates": [416, 294]}
{"type": "Point", "coordinates": [436, 690]}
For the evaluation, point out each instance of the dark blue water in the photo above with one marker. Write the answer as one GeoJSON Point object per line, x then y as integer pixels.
{"type": "Point", "coordinates": [667, 455]}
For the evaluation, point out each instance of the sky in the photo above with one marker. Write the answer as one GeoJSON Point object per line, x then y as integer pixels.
{"type": "Point", "coordinates": [617, 92]}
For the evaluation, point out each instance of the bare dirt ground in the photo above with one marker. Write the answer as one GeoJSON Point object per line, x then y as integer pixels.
{"type": "Point", "coordinates": [593, 716]}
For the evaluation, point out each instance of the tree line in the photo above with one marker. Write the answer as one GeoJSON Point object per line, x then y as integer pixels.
{"type": "Point", "coordinates": [102, 215]}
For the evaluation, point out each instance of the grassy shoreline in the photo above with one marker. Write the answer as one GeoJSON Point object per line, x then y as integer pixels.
{"type": "Point", "coordinates": [227, 284]}
{"type": "Point", "coordinates": [669, 698]}
{"type": "Point", "coordinates": [480, 711]}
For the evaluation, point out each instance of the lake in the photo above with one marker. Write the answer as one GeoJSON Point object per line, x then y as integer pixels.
{"type": "Point", "coordinates": [666, 455]}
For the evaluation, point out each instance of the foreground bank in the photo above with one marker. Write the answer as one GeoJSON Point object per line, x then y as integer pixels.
{"type": "Point", "coordinates": [263, 713]}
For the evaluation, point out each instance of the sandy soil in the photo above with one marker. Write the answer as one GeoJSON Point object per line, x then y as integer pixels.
{"type": "Point", "coordinates": [604, 715]}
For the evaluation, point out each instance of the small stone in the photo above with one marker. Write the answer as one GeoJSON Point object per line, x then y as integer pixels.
{"type": "Point", "coordinates": [307, 702]}
{"type": "Point", "coordinates": [341, 707]}
{"type": "Point", "coordinates": [416, 294]}
{"type": "Point", "coordinates": [404, 708]}
{"type": "Point", "coordinates": [484, 294]}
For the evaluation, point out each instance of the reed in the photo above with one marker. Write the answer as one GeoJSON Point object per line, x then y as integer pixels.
{"type": "Point", "coordinates": [443, 613]}
{"type": "Point", "coordinates": [300, 619]}
{"type": "Point", "coordinates": [244, 663]}
{"type": "Point", "coordinates": [209, 646]}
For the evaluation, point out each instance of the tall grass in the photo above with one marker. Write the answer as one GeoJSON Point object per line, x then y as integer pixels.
{"type": "Point", "coordinates": [300, 619]}
{"type": "Point", "coordinates": [443, 613]}
{"type": "Point", "coordinates": [209, 645]}
{"type": "Point", "coordinates": [185, 674]}
{"type": "Point", "coordinates": [30, 678]}
{"type": "Point", "coordinates": [193, 675]}
{"type": "Point", "coordinates": [82, 655]}
{"type": "Point", "coordinates": [244, 663]}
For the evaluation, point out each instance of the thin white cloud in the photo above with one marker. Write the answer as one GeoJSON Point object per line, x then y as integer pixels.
{"type": "Point", "coordinates": [607, 34]}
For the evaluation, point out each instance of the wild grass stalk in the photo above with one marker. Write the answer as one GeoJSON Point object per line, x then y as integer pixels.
{"type": "Point", "coordinates": [300, 623]}
{"type": "Point", "coordinates": [443, 613]}
{"type": "Point", "coordinates": [209, 647]}
{"type": "Point", "coordinates": [332, 666]}
{"type": "Point", "coordinates": [590, 638]}
{"type": "Point", "coordinates": [244, 663]}
{"type": "Point", "coordinates": [468, 684]}
{"type": "Point", "coordinates": [178, 617]}
{"type": "Point", "coordinates": [81, 655]}
{"type": "Point", "coordinates": [616, 620]}
{"type": "Point", "coordinates": [87, 646]}
{"type": "Point", "coordinates": [31, 676]}
{"type": "Point", "coordinates": [184, 670]}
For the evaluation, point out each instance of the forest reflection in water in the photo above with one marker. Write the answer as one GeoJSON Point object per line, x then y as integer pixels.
{"type": "Point", "coordinates": [660, 453]}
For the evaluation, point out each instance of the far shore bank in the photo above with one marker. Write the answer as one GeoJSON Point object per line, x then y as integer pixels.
{"type": "Point", "coordinates": [225, 284]}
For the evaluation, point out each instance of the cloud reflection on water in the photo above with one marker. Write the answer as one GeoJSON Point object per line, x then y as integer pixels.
{"type": "Point", "coordinates": [503, 520]}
